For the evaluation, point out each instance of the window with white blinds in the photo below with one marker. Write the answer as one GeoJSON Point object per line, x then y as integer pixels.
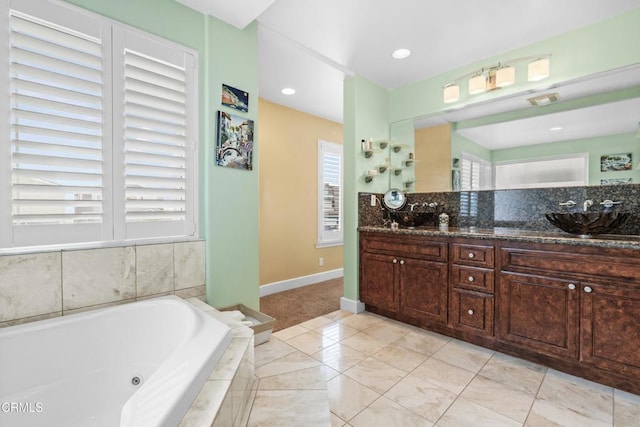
{"type": "Point", "coordinates": [101, 120]}
{"type": "Point", "coordinates": [330, 212]}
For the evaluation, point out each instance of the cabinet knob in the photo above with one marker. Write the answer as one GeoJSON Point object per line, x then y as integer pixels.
{"type": "Point", "coordinates": [588, 289]}
{"type": "Point", "coordinates": [395, 261]}
{"type": "Point", "coordinates": [471, 279]}
{"type": "Point", "coordinates": [472, 255]}
{"type": "Point", "coordinates": [401, 261]}
{"type": "Point", "coordinates": [571, 286]}
{"type": "Point", "coordinates": [470, 312]}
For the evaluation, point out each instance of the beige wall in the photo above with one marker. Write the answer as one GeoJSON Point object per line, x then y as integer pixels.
{"type": "Point", "coordinates": [288, 156]}
{"type": "Point", "coordinates": [433, 151]}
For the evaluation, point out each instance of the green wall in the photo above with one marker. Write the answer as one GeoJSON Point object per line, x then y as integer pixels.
{"type": "Point", "coordinates": [228, 197]}
{"type": "Point", "coordinates": [365, 116]}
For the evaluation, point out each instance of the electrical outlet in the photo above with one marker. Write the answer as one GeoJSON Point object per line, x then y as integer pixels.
{"type": "Point", "coordinates": [321, 262]}
{"type": "Point", "coordinates": [373, 200]}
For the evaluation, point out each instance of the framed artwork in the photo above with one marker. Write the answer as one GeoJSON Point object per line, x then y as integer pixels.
{"type": "Point", "coordinates": [615, 181]}
{"type": "Point", "coordinates": [234, 147]}
{"type": "Point", "coordinates": [235, 98]}
{"type": "Point", "coordinates": [615, 162]}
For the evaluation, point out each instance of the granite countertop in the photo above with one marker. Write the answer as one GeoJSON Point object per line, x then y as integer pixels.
{"type": "Point", "coordinates": [605, 240]}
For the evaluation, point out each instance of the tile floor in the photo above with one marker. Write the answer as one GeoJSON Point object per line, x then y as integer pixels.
{"type": "Point", "coordinates": [371, 371]}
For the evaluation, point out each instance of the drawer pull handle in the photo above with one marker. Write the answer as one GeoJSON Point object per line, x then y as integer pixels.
{"type": "Point", "coordinates": [588, 289]}
{"type": "Point", "coordinates": [395, 261]}
{"type": "Point", "coordinates": [401, 261]}
{"type": "Point", "coordinates": [571, 286]}
{"type": "Point", "coordinates": [470, 312]}
{"type": "Point", "coordinates": [471, 279]}
{"type": "Point", "coordinates": [472, 255]}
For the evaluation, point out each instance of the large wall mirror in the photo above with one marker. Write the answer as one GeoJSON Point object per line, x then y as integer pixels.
{"type": "Point", "coordinates": [580, 132]}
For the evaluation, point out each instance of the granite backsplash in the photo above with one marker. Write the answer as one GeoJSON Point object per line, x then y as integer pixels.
{"type": "Point", "coordinates": [521, 209]}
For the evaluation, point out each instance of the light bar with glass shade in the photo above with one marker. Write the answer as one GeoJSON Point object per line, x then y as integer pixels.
{"type": "Point", "coordinates": [497, 76]}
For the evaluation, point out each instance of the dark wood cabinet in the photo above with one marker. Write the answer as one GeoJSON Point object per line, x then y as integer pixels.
{"type": "Point", "coordinates": [575, 308]}
{"type": "Point", "coordinates": [540, 313]}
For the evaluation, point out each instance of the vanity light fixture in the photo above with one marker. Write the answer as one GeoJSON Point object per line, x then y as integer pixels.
{"type": "Point", "coordinates": [288, 91]}
{"type": "Point", "coordinates": [497, 76]}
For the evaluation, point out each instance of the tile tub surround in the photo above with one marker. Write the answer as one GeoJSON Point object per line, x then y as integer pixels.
{"type": "Point", "coordinates": [226, 397]}
{"type": "Point", "coordinates": [380, 372]}
{"type": "Point", "coordinates": [41, 285]}
{"type": "Point", "coordinates": [520, 209]}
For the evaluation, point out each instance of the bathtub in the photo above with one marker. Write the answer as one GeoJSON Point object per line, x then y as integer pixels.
{"type": "Point", "coordinates": [139, 364]}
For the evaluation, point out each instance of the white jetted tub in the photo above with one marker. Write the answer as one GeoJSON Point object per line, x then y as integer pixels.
{"type": "Point", "coordinates": [138, 364]}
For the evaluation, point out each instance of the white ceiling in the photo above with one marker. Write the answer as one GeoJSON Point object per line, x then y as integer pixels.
{"type": "Point", "coordinates": [313, 45]}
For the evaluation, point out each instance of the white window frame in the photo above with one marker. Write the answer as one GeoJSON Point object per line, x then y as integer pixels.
{"type": "Point", "coordinates": [328, 238]}
{"type": "Point", "coordinates": [484, 169]}
{"type": "Point", "coordinates": [114, 228]}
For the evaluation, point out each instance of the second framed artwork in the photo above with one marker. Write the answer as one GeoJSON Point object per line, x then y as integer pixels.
{"type": "Point", "coordinates": [234, 146]}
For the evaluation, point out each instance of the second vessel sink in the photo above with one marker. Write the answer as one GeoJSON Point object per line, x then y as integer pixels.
{"type": "Point", "coordinates": [413, 219]}
{"type": "Point", "coordinates": [587, 223]}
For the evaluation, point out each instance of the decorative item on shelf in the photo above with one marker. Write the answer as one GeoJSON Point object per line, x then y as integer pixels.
{"type": "Point", "coordinates": [497, 76]}
{"type": "Point", "coordinates": [409, 183]}
{"type": "Point", "coordinates": [443, 220]}
{"type": "Point", "coordinates": [398, 147]}
{"type": "Point", "coordinates": [367, 148]}
{"type": "Point", "coordinates": [368, 178]}
{"type": "Point", "coordinates": [397, 171]}
{"type": "Point", "coordinates": [382, 168]}
{"type": "Point", "coordinates": [408, 162]}
{"type": "Point", "coordinates": [383, 145]}
{"type": "Point", "coordinates": [411, 156]}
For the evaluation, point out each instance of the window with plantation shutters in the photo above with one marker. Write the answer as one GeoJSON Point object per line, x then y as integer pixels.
{"type": "Point", "coordinates": [329, 194]}
{"type": "Point", "coordinates": [101, 121]}
{"type": "Point", "coordinates": [475, 174]}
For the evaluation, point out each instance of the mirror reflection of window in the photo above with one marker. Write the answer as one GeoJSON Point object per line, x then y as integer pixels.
{"type": "Point", "coordinates": [475, 173]}
{"type": "Point", "coordinates": [563, 171]}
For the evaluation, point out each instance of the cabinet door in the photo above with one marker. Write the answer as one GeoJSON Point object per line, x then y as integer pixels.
{"type": "Point", "coordinates": [539, 313]}
{"type": "Point", "coordinates": [610, 318]}
{"type": "Point", "coordinates": [423, 289]}
{"type": "Point", "coordinates": [378, 281]}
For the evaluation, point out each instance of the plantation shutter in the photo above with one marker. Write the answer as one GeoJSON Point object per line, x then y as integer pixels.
{"type": "Point", "coordinates": [56, 131]}
{"type": "Point", "coordinates": [330, 192]}
{"type": "Point", "coordinates": [157, 139]}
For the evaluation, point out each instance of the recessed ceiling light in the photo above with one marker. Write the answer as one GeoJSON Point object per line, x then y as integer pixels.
{"type": "Point", "coordinates": [555, 128]}
{"type": "Point", "coordinates": [401, 53]}
{"type": "Point", "coordinates": [288, 91]}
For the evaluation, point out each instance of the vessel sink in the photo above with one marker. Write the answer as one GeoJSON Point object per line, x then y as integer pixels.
{"type": "Point", "coordinates": [413, 219]}
{"type": "Point", "coordinates": [587, 223]}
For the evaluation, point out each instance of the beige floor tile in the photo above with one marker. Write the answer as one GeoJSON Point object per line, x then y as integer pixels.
{"type": "Point", "coordinates": [386, 332]}
{"type": "Point", "coordinates": [499, 397]}
{"type": "Point", "coordinates": [577, 395]}
{"type": "Point", "coordinates": [336, 331]}
{"type": "Point", "coordinates": [339, 357]}
{"type": "Point", "coordinates": [449, 377]}
{"type": "Point", "coordinates": [464, 413]}
{"type": "Point", "coordinates": [310, 342]}
{"type": "Point", "coordinates": [386, 413]}
{"type": "Point", "coordinates": [364, 343]}
{"type": "Point", "coordinates": [317, 322]}
{"type": "Point", "coordinates": [336, 421]}
{"type": "Point", "coordinates": [517, 373]}
{"type": "Point", "coordinates": [376, 375]}
{"type": "Point", "coordinates": [305, 379]}
{"type": "Point", "coordinates": [426, 343]}
{"type": "Point", "coordinates": [338, 314]}
{"type": "Point", "coordinates": [284, 408]}
{"type": "Point", "coordinates": [271, 350]}
{"type": "Point", "coordinates": [626, 409]}
{"type": "Point", "coordinates": [464, 355]}
{"type": "Point", "coordinates": [285, 334]}
{"type": "Point", "coordinates": [292, 362]}
{"type": "Point", "coordinates": [347, 397]}
{"type": "Point", "coordinates": [546, 413]}
{"type": "Point", "coordinates": [425, 399]}
{"type": "Point", "coordinates": [361, 321]}
{"type": "Point", "coordinates": [400, 357]}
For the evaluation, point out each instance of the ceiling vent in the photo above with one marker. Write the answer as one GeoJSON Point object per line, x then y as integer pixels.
{"type": "Point", "coordinates": [538, 101]}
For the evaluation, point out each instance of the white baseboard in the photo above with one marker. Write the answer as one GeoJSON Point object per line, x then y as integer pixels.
{"type": "Point", "coordinates": [297, 282]}
{"type": "Point", "coordinates": [352, 306]}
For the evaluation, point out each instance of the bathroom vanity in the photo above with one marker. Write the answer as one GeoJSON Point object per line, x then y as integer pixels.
{"type": "Point", "coordinates": [568, 303]}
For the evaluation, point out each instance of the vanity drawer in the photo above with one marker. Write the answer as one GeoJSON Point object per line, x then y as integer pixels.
{"type": "Point", "coordinates": [471, 254]}
{"type": "Point", "coordinates": [471, 311]}
{"type": "Point", "coordinates": [472, 278]}
{"type": "Point", "coordinates": [405, 245]}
